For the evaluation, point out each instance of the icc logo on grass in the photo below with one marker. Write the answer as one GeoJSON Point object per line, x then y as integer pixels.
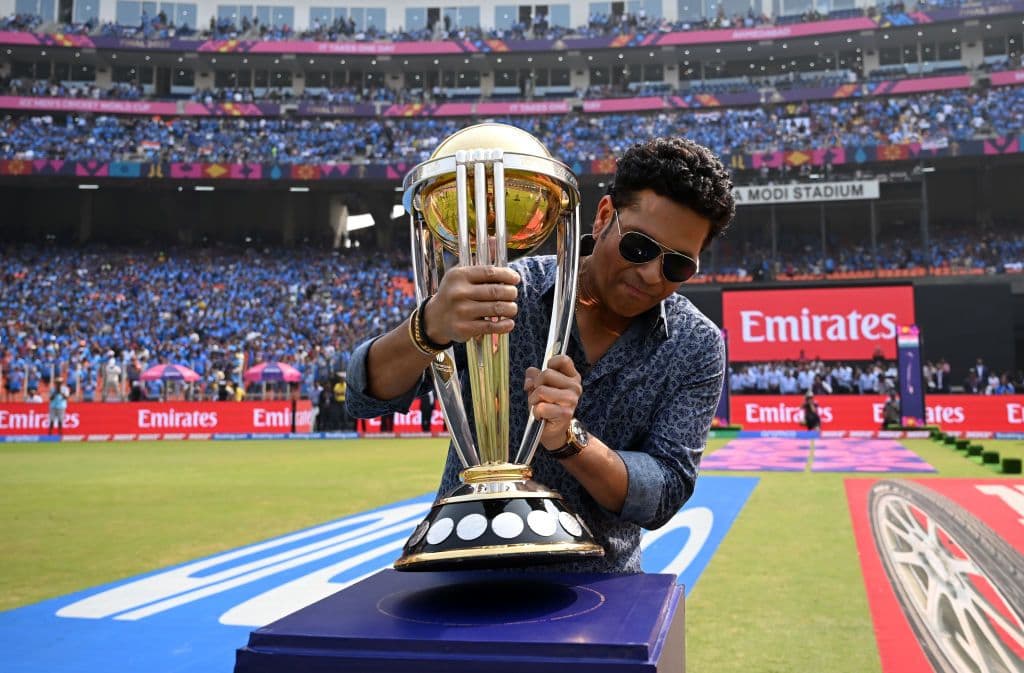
{"type": "Point", "coordinates": [288, 573]}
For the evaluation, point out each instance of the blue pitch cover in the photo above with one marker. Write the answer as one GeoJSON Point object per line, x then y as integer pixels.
{"type": "Point", "coordinates": [191, 618]}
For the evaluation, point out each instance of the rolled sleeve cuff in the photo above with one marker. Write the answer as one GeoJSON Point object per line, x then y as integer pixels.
{"type": "Point", "coordinates": [360, 404]}
{"type": "Point", "coordinates": [645, 487]}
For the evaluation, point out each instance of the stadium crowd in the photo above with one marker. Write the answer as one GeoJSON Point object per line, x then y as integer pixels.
{"type": "Point", "coordinates": [946, 117]}
{"type": "Point", "coordinates": [538, 27]}
{"type": "Point", "coordinates": [16, 86]}
{"type": "Point", "coordinates": [1000, 249]}
{"type": "Point", "coordinates": [72, 312]}
{"type": "Point", "coordinates": [89, 314]}
{"type": "Point", "coordinates": [875, 377]}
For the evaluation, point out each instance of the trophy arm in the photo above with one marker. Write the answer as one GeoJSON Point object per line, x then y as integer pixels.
{"type": "Point", "coordinates": [563, 313]}
{"type": "Point", "coordinates": [428, 261]}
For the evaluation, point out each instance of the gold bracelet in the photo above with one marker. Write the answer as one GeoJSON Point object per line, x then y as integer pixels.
{"type": "Point", "coordinates": [416, 337]}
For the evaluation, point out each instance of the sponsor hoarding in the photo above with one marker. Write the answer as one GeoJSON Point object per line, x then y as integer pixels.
{"type": "Point", "coordinates": [953, 413]}
{"type": "Point", "coordinates": [408, 423]}
{"type": "Point", "coordinates": [830, 324]}
{"type": "Point", "coordinates": [129, 418]}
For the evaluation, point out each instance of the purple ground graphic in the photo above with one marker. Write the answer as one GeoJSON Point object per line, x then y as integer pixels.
{"type": "Point", "coordinates": [769, 455]}
{"type": "Point", "coordinates": [866, 455]}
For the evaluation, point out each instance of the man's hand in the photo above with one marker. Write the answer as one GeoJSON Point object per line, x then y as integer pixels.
{"type": "Point", "coordinates": [553, 396]}
{"type": "Point", "coordinates": [472, 300]}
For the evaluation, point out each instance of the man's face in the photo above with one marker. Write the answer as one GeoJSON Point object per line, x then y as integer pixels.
{"type": "Point", "coordinates": [629, 289]}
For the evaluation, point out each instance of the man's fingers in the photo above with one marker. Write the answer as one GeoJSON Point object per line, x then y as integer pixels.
{"type": "Point", "coordinates": [488, 292]}
{"type": "Point", "coordinates": [490, 274]}
{"type": "Point", "coordinates": [552, 413]}
{"type": "Point", "coordinates": [530, 380]}
{"type": "Point", "coordinates": [559, 396]}
{"type": "Point", "coordinates": [472, 328]}
{"type": "Point", "coordinates": [557, 379]}
{"type": "Point", "coordinates": [563, 364]}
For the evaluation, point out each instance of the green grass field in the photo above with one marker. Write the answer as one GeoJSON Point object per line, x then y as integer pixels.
{"type": "Point", "coordinates": [783, 592]}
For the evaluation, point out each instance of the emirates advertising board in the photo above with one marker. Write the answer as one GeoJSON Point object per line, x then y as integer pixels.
{"type": "Point", "coordinates": [826, 324]}
{"type": "Point", "coordinates": [959, 414]}
{"type": "Point", "coordinates": [143, 418]}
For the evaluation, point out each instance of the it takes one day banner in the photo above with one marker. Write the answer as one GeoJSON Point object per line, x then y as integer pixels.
{"type": "Point", "coordinates": [830, 324]}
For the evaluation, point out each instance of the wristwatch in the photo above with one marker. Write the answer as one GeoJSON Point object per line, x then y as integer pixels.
{"type": "Point", "coordinates": [576, 439]}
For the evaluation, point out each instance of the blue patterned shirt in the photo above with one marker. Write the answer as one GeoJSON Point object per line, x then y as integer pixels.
{"type": "Point", "coordinates": [650, 397]}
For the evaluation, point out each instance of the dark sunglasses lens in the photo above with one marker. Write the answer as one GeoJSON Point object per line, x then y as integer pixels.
{"type": "Point", "coordinates": [637, 248]}
{"type": "Point", "coordinates": [678, 268]}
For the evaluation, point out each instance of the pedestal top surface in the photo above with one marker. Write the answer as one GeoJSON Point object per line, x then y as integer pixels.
{"type": "Point", "coordinates": [515, 612]}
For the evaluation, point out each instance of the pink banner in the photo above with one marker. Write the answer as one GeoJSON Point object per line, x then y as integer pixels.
{"type": "Point", "coordinates": [1004, 78]}
{"type": "Point", "coordinates": [182, 171]}
{"type": "Point", "coordinates": [931, 84]}
{"type": "Point", "coordinates": [127, 418]}
{"type": "Point", "coordinates": [443, 110]}
{"type": "Point", "coordinates": [625, 104]}
{"type": "Point", "coordinates": [484, 109]}
{"type": "Point", "coordinates": [16, 37]}
{"type": "Point", "coordinates": [953, 413]}
{"type": "Point", "coordinates": [769, 32]}
{"type": "Point", "coordinates": [339, 48]}
{"type": "Point", "coordinates": [230, 110]}
{"type": "Point", "coordinates": [129, 107]}
{"type": "Point", "coordinates": [528, 108]}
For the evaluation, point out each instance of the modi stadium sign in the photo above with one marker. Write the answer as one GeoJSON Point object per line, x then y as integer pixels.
{"type": "Point", "coordinates": [816, 192]}
{"type": "Point", "coordinates": [830, 324]}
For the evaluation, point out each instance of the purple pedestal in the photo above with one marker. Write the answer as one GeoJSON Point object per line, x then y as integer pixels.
{"type": "Point", "coordinates": [487, 622]}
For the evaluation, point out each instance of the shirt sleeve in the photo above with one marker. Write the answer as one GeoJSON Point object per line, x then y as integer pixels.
{"type": "Point", "coordinates": [359, 402]}
{"type": "Point", "coordinates": [663, 470]}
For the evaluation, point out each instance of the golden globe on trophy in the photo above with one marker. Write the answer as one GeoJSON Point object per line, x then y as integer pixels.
{"type": "Point", "coordinates": [488, 191]}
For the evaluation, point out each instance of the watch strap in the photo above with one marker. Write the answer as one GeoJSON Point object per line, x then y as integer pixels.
{"type": "Point", "coordinates": [567, 450]}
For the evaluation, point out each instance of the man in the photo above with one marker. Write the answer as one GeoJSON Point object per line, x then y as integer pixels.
{"type": "Point", "coordinates": [940, 377]}
{"type": "Point", "coordinates": [133, 372]}
{"type": "Point", "coordinates": [427, 401]}
{"type": "Point", "coordinates": [891, 412]}
{"type": "Point", "coordinates": [135, 393]}
{"type": "Point", "coordinates": [340, 392]}
{"type": "Point", "coordinates": [644, 367]}
{"type": "Point", "coordinates": [812, 418]}
{"type": "Point", "coordinates": [58, 405]}
{"type": "Point", "coordinates": [111, 378]}
{"type": "Point", "coordinates": [981, 370]}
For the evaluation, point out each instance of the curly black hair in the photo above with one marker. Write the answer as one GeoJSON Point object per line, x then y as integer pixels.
{"type": "Point", "coordinates": [681, 170]}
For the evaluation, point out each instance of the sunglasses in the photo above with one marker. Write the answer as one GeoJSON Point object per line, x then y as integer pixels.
{"type": "Point", "coordinates": [640, 248]}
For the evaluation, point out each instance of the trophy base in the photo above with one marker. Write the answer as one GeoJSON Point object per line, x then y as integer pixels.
{"type": "Point", "coordinates": [502, 523]}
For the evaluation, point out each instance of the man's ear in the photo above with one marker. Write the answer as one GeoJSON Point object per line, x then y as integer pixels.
{"type": "Point", "coordinates": [603, 217]}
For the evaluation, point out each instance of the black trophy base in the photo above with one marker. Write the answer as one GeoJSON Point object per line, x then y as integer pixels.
{"type": "Point", "coordinates": [505, 525]}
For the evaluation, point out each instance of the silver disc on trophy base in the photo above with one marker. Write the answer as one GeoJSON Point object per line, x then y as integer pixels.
{"type": "Point", "coordinates": [507, 524]}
